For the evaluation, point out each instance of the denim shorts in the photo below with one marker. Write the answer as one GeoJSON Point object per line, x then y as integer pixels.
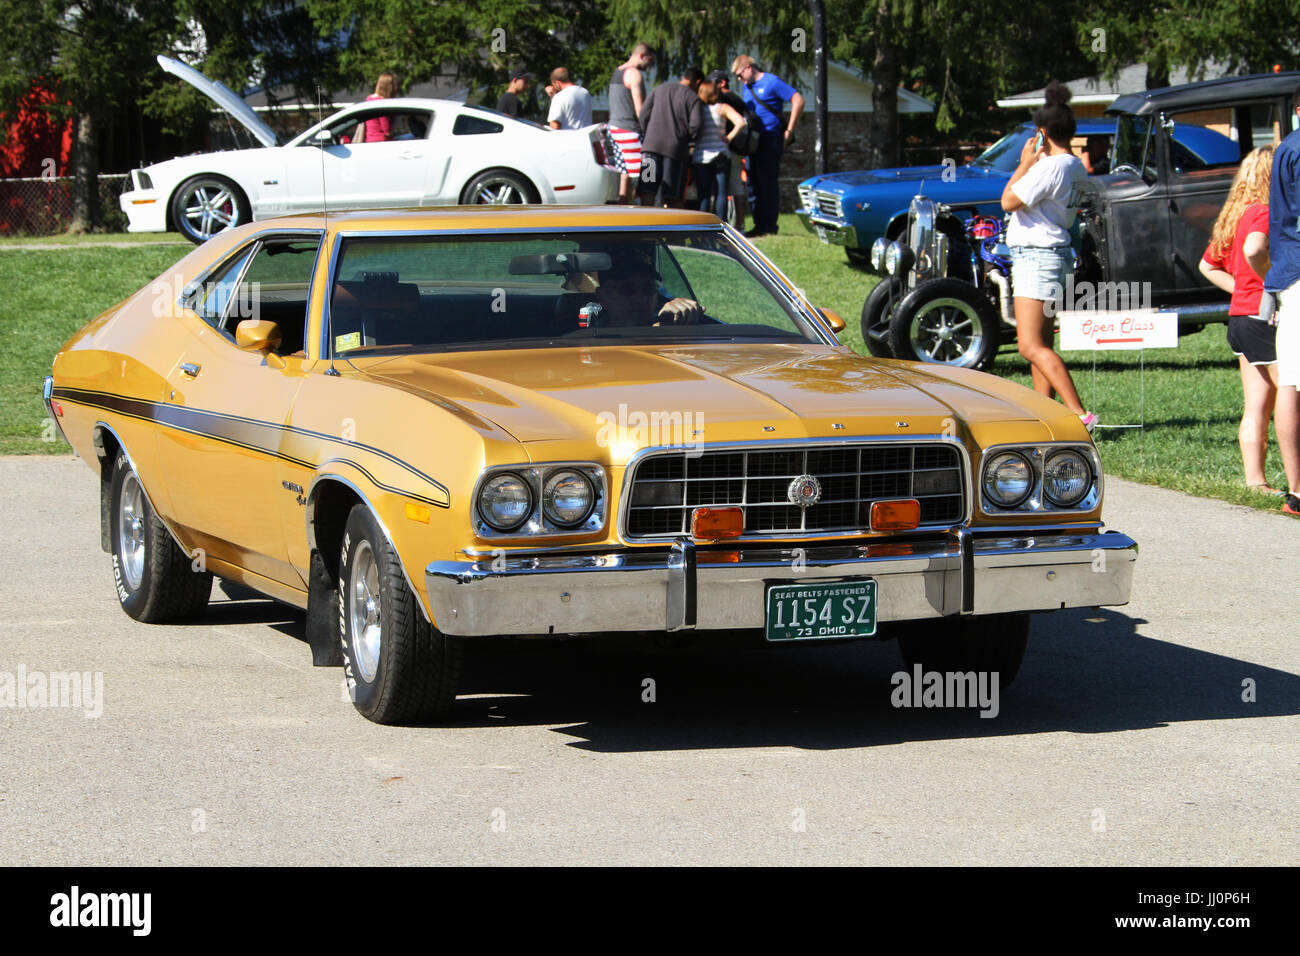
{"type": "Point", "coordinates": [1039, 272]}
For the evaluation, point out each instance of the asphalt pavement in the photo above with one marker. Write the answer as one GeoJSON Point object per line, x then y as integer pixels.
{"type": "Point", "coordinates": [1163, 732]}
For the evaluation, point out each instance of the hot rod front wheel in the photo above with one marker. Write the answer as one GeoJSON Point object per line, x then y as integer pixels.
{"type": "Point", "coordinates": [947, 322]}
{"type": "Point", "coordinates": [877, 312]}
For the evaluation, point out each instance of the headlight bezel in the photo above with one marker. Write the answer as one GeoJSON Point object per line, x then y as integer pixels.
{"type": "Point", "coordinates": [539, 522]}
{"type": "Point", "coordinates": [1037, 501]}
{"type": "Point", "coordinates": [504, 527]}
{"type": "Point", "coordinates": [878, 253]}
{"type": "Point", "coordinates": [549, 508]}
{"type": "Point", "coordinates": [1011, 502]}
{"type": "Point", "coordinates": [1059, 455]}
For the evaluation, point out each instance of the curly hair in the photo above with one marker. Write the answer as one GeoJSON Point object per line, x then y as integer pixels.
{"type": "Point", "coordinates": [1055, 114]}
{"type": "Point", "coordinates": [1250, 185]}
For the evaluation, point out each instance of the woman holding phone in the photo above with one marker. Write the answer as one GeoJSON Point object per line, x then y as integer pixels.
{"type": "Point", "coordinates": [1037, 196]}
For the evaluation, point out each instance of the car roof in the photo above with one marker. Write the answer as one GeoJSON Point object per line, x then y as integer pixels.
{"type": "Point", "coordinates": [1223, 89]}
{"type": "Point", "coordinates": [491, 218]}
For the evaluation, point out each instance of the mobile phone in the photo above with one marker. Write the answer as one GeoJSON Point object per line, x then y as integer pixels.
{"type": "Point", "coordinates": [1038, 141]}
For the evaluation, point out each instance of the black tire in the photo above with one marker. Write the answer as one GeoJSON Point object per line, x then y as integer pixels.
{"type": "Point", "coordinates": [994, 643]}
{"type": "Point", "coordinates": [877, 312]}
{"type": "Point", "coordinates": [954, 319]}
{"type": "Point", "coordinates": [498, 187]}
{"type": "Point", "coordinates": [155, 580]}
{"type": "Point", "coordinates": [207, 205]}
{"type": "Point", "coordinates": [406, 671]}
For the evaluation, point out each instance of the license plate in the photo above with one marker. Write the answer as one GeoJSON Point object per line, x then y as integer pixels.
{"type": "Point", "coordinates": [821, 232]}
{"type": "Point", "coordinates": [798, 612]}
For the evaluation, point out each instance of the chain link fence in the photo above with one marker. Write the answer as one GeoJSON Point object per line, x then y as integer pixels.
{"type": "Point", "coordinates": [37, 206]}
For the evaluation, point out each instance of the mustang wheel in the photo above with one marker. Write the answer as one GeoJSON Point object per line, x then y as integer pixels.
{"type": "Point", "coordinates": [498, 187]}
{"type": "Point", "coordinates": [156, 581]}
{"type": "Point", "coordinates": [399, 668]}
{"type": "Point", "coordinates": [993, 643]}
{"type": "Point", "coordinates": [206, 205]}
{"type": "Point", "coordinates": [948, 322]}
{"type": "Point", "coordinates": [877, 312]}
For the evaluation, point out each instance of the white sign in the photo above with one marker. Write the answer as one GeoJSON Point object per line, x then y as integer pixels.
{"type": "Point", "coordinates": [1098, 330]}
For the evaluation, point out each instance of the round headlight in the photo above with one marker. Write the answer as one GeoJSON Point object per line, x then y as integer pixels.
{"type": "Point", "coordinates": [568, 497]}
{"type": "Point", "coordinates": [1067, 478]}
{"type": "Point", "coordinates": [878, 253]}
{"type": "Point", "coordinates": [892, 252]}
{"type": "Point", "coordinates": [1008, 479]}
{"type": "Point", "coordinates": [505, 501]}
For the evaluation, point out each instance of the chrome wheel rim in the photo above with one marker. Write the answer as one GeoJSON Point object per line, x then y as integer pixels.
{"type": "Point", "coordinates": [209, 209]}
{"type": "Point", "coordinates": [498, 192]}
{"type": "Point", "coordinates": [131, 530]}
{"type": "Point", "coordinates": [948, 331]}
{"type": "Point", "coordinates": [366, 611]}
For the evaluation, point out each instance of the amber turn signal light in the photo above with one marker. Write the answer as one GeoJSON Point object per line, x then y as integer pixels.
{"type": "Point", "coordinates": [711, 524]}
{"type": "Point", "coordinates": [418, 513]}
{"type": "Point", "coordinates": [902, 514]}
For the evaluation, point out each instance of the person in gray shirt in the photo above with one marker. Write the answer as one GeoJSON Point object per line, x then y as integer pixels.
{"type": "Point", "coordinates": [671, 120]}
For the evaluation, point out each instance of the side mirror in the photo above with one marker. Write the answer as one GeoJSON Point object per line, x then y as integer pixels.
{"type": "Point", "coordinates": [260, 335]}
{"type": "Point", "coordinates": [323, 137]}
{"type": "Point", "coordinates": [833, 319]}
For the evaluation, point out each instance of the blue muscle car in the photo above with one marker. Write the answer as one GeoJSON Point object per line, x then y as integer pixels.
{"type": "Point", "coordinates": [853, 209]}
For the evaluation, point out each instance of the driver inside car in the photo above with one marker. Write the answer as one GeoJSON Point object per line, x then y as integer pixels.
{"type": "Point", "coordinates": [629, 293]}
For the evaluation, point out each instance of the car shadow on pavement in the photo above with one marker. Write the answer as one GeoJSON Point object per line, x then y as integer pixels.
{"type": "Point", "coordinates": [1086, 671]}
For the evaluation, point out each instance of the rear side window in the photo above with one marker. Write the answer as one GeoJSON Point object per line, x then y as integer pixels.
{"type": "Point", "coordinates": [474, 125]}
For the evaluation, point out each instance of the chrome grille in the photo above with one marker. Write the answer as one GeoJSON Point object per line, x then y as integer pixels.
{"type": "Point", "coordinates": [829, 204]}
{"type": "Point", "coordinates": [666, 487]}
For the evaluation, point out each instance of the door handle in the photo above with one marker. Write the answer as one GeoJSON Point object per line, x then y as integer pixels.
{"type": "Point", "coordinates": [410, 154]}
{"type": "Point", "coordinates": [190, 369]}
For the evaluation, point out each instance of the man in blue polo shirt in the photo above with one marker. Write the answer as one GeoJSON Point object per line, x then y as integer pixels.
{"type": "Point", "coordinates": [767, 94]}
{"type": "Point", "coordinates": [1283, 280]}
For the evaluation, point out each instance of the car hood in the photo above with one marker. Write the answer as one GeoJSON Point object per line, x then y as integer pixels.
{"type": "Point", "coordinates": [224, 97]}
{"type": "Point", "coordinates": [732, 393]}
{"type": "Point", "coordinates": [842, 182]}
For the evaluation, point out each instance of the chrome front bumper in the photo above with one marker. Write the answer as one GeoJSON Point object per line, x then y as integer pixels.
{"type": "Point", "coordinates": [830, 230]}
{"type": "Point", "coordinates": [687, 587]}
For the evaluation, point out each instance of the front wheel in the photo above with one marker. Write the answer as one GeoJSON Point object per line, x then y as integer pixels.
{"type": "Point", "coordinates": [993, 644]}
{"type": "Point", "coordinates": [156, 581]}
{"type": "Point", "coordinates": [947, 322]}
{"type": "Point", "coordinates": [206, 205]}
{"type": "Point", "coordinates": [877, 312]}
{"type": "Point", "coordinates": [399, 668]}
{"type": "Point", "coordinates": [498, 187]}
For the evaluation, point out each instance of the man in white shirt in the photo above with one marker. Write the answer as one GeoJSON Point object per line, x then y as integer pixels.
{"type": "Point", "coordinates": [570, 103]}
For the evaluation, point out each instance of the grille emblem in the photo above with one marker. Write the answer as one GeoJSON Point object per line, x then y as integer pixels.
{"type": "Point", "coordinates": [805, 491]}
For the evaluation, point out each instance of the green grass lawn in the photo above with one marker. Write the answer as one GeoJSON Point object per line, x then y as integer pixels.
{"type": "Point", "coordinates": [45, 296]}
{"type": "Point", "coordinates": [1193, 393]}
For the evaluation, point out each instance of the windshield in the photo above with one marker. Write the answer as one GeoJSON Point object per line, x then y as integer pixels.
{"type": "Point", "coordinates": [1133, 145]}
{"type": "Point", "coordinates": [457, 293]}
{"type": "Point", "coordinates": [1004, 155]}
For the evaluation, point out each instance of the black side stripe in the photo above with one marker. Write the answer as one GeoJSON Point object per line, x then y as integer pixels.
{"type": "Point", "coordinates": [250, 433]}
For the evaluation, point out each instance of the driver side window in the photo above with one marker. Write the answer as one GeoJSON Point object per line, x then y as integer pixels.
{"type": "Point", "coordinates": [381, 126]}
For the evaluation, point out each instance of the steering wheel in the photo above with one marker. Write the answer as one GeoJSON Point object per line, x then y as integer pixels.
{"type": "Point", "coordinates": [1128, 168]}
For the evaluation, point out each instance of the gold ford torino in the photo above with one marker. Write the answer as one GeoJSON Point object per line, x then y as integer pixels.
{"type": "Point", "coordinates": [425, 426]}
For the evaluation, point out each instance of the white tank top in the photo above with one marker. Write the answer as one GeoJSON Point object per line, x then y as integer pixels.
{"type": "Point", "coordinates": [712, 143]}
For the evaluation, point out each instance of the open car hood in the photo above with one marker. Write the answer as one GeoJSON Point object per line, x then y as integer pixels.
{"type": "Point", "coordinates": [224, 97]}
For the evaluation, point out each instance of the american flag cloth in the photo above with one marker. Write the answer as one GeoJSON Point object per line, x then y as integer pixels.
{"type": "Point", "coordinates": [627, 150]}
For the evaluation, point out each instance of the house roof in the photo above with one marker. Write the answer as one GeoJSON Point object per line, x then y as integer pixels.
{"type": "Point", "coordinates": [1097, 90]}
